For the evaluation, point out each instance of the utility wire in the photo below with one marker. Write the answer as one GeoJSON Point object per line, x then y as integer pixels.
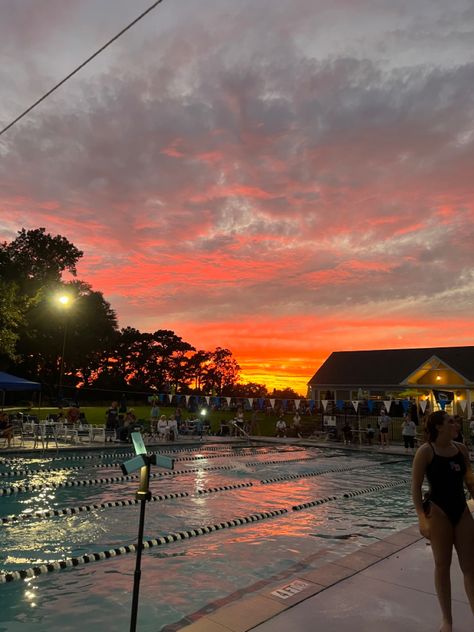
{"type": "Point", "coordinates": [45, 96]}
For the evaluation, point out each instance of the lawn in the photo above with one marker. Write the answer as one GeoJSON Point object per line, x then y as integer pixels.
{"type": "Point", "coordinates": [96, 415]}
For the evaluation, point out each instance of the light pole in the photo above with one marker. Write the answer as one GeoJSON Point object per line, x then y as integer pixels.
{"type": "Point", "coordinates": [64, 301]}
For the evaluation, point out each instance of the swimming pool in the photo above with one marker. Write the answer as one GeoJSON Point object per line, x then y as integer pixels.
{"type": "Point", "coordinates": [270, 492]}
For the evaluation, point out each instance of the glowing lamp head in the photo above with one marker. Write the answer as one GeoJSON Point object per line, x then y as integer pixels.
{"type": "Point", "coordinates": [64, 300]}
{"type": "Point", "coordinates": [203, 411]}
{"type": "Point", "coordinates": [438, 378]}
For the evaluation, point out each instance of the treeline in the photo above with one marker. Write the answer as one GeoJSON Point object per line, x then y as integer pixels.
{"type": "Point", "coordinates": [78, 342]}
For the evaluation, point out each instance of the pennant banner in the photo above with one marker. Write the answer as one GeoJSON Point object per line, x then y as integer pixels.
{"type": "Point", "coordinates": [387, 403]}
{"type": "Point", "coordinates": [463, 404]}
{"type": "Point", "coordinates": [227, 399]}
{"type": "Point", "coordinates": [423, 404]}
{"type": "Point", "coordinates": [355, 403]}
{"type": "Point", "coordinates": [187, 399]}
{"type": "Point", "coordinates": [340, 404]}
{"type": "Point", "coordinates": [208, 399]}
{"type": "Point", "coordinates": [406, 405]}
{"type": "Point", "coordinates": [297, 404]}
{"type": "Point", "coordinates": [272, 403]}
{"type": "Point", "coordinates": [251, 401]}
{"type": "Point", "coordinates": [371, 405]}
{"type": "Point", "coordinates": [442, 404]}
{"type": "Point", "coordinates": [324, 402]}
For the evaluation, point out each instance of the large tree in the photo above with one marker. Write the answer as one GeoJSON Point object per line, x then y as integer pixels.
{"type": "Point", "coordinates": [83, 330]}
{"type": "Point", "coordinates": [221, 371]}
{"type": "Point", "coordinates": [13, 306]}
{"type": "Point", "coordinates": [36, 258]}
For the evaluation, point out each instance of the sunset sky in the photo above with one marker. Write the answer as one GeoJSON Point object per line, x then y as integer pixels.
{"type": "Point", "coordinates": [284, 178]}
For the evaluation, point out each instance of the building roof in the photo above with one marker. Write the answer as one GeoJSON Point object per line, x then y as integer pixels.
{"type": "Point", "coordinates": [388, 366]}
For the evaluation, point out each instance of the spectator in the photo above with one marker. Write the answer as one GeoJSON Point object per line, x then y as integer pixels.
{"type": "Point", "coordinates": [73, 415]}
{"type": "Point", "coordinates": [281, 428]}
{"type": "Point", "coordinates": [297, 424]}
{"type": "Point", "coordinates": [162, 428]}
{"type": "Point", "coordinates": [6, 428]}
{"type": "Point", "coordinates": [384, 424]}
{"type": "Point", "coordinates": [370, 434]}
{"type": "Point", "coordinates": [112, 419]}
{"type": "Point", "coordinates": [347, 433]}
{"type": "Point", "coordinates": [408, 434]}
{"type": "Point", "coordinates": [154, 416]}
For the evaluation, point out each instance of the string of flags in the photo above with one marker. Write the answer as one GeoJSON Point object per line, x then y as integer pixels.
{"type": "Point", "coordinates": [285, 404]}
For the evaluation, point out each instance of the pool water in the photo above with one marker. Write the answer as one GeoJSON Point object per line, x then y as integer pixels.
{"type": "Point", "coordinates": [183, 579]}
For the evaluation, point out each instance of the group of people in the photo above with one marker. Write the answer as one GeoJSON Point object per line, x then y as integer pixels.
{"type": "Point", "coordinates": [120, 422]}
{"type": "Point", "coordinates": [294, 430]}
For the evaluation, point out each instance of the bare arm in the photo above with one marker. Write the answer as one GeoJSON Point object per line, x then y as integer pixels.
{"type": "Point", "coordinates": [421, 460]}
{"type": "Point", "coordinates": [418, 474]}
{"type": "Point", "coordinates": [469, 475]}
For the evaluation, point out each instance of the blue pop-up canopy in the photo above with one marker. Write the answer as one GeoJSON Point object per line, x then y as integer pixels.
{"type": "Point", "coordinates": [12, 383]}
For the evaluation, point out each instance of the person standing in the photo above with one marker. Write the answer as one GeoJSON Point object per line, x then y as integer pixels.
{"type": "Point", "coordinates": [444, 517]}
{"type": "Point", "coordinates": [384, 425]}
{"type": "Point", "coordinates": [6, 428]}
{"type": "Point", "coordinates": [154, 416]}
{"type": "Point", "coordinates": [297, 424]}
{"type": "Point", "coordinates": [409, 434]}
{"type": "Point", "coordinates": [112, 420]}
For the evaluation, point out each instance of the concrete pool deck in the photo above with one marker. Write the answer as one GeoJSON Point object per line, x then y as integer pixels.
{"type": "Point", "coordinates": [384, 586]}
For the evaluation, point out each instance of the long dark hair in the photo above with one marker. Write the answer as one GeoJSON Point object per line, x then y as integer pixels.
{"type": "Point", "coordinates": [434, 420]}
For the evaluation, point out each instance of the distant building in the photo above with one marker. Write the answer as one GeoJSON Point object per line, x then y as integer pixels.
{"type": "Point", "coordinates": [441, 374]}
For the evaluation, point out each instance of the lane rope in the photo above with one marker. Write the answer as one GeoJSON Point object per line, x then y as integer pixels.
{"type": "Point", "coordinates": [35, 571]}
{"type": "Point", "coordinates": [68, 511]}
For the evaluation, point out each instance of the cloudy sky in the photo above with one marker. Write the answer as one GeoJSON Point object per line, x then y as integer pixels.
{"type": "Point", "coordinates": [284, 178]}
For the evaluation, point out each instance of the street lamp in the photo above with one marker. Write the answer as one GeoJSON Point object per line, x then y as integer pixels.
{"type": "Point", "coordinates": [64, 301]}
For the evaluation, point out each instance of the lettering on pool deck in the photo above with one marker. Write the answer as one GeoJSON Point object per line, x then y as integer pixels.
{"type": "Point", "coordinates": [285, 592]}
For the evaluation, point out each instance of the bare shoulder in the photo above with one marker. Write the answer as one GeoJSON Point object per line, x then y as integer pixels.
{"type": "Point", "coordinates": [424, 453]}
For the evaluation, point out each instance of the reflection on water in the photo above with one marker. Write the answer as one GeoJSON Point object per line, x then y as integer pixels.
{"type": "Point", "coordinates": [184, 576]}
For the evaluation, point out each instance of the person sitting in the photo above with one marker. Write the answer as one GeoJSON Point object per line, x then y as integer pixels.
{"type": "Point", "coordinates": [162, 428]}
{"type": "Point", "coordinates": [281, 428]}
{"type": "Point", "coordinates": [73, 415]}
{"type": "Point", "coordinates": [6, 428]}
{"type": "Point", "coordinates": [172, 429]}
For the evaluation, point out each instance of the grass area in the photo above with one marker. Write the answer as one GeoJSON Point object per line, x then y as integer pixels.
{"type": "Point", "coordinates": [96, 415]}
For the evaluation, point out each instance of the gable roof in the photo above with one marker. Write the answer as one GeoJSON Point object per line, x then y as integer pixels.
{"type": "Point", "coordinates": [389, 366]}
{"type": "Point", "coordinates": [12, 383]}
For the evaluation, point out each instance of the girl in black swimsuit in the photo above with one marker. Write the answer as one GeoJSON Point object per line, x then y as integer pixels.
{"type": "Point", "coordinates": [445, 518]}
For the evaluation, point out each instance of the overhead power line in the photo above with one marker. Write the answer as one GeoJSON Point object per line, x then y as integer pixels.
{"type": "Point", "coordinates": [84, 63]}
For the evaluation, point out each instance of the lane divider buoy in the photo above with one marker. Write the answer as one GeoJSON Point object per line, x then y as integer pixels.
{"type": "Point", "coordinates": [35, 571]}
{"type": "Point", "coordinates": [20, 489]}
{"type": "Point", "coordinates": [43, 569]}
{"type": "Point", "coordinates": [70, 511]}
